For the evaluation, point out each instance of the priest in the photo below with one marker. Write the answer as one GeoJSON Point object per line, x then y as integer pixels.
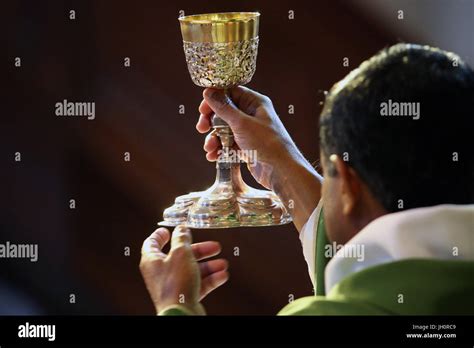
{"type": "Point", "coordinates": [389, 230]}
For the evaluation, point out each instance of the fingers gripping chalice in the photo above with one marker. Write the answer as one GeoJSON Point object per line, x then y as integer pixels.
{"type": "Point", "coordinates": [221, 52]}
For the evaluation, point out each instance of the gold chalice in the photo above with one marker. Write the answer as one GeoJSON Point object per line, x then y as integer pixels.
{"type": "Point", "coordinates": [221, 52]}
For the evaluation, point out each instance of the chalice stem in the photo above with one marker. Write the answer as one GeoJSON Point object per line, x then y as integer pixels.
{"type": "Point", "coordinates": [224, 160]}
{"type": "Point", "coordinates": [224, 133]}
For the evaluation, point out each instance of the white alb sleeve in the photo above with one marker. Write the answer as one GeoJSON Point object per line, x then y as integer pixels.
{"type": "Point", "coordinates": [308, 240]}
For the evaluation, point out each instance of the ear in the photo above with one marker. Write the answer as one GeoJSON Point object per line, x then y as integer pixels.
{"type": "Point", "coordinates": [350, 185]}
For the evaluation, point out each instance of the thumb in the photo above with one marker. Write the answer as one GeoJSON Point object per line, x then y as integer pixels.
{"type": "Point", "coordinates": [223, 106]}
{"type": "Point", "coordinates": [181, 238]}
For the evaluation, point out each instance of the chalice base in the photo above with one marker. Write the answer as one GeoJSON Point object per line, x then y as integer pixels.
{"type": "Point", "coordinates": [229, 202]}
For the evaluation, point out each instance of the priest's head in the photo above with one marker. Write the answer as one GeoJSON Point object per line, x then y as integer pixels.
{"type": "Point", "coordinates": [396, 133]}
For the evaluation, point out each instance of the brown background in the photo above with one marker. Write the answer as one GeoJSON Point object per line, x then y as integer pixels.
{"type": "Point", "coordinates": [118, 202]}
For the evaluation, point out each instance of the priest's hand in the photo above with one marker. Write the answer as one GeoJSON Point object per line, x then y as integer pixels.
{"type": "Point", "coordinates": [177, 278]}
{"type": "Point", "coordinates": [256, 127]}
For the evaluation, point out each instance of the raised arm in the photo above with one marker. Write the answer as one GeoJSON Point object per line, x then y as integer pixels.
{"type": "Point", "coordinates": [280, 166]}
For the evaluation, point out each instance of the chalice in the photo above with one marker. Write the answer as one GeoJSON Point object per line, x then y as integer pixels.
{"type": "Point", "coordinates": [221, 52]}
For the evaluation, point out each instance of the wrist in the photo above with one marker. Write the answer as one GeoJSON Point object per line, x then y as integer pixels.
{"type": "Point", "coordinates": [282, 175]}
{"type": "Point", "coordinates": [298, 186]}
{"type": "Point", "coordinates": [288, 167]}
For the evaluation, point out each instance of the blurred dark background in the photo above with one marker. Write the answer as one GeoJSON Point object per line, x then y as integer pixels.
{"type": "Point", "coordinates": [118, 203]}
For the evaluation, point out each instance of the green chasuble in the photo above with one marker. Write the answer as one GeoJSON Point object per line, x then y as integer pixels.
{"type": "Point", "coordinates": [407, 287]}
{"type": "Point", "coordinates": [320, 258]}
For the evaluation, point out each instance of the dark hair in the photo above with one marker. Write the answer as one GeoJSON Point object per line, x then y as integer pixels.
{"type": "Point", "coordinates": [399, 157]}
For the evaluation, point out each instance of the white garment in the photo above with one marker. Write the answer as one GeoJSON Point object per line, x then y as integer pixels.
{"type": "Point", "coordinates": [443, 232]}
{"type": "Point", "coordinates": [308, 241]}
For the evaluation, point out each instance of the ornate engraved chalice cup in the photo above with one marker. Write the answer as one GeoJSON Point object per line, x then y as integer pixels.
{"type": "Point", "coordinates": [221, 52]}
